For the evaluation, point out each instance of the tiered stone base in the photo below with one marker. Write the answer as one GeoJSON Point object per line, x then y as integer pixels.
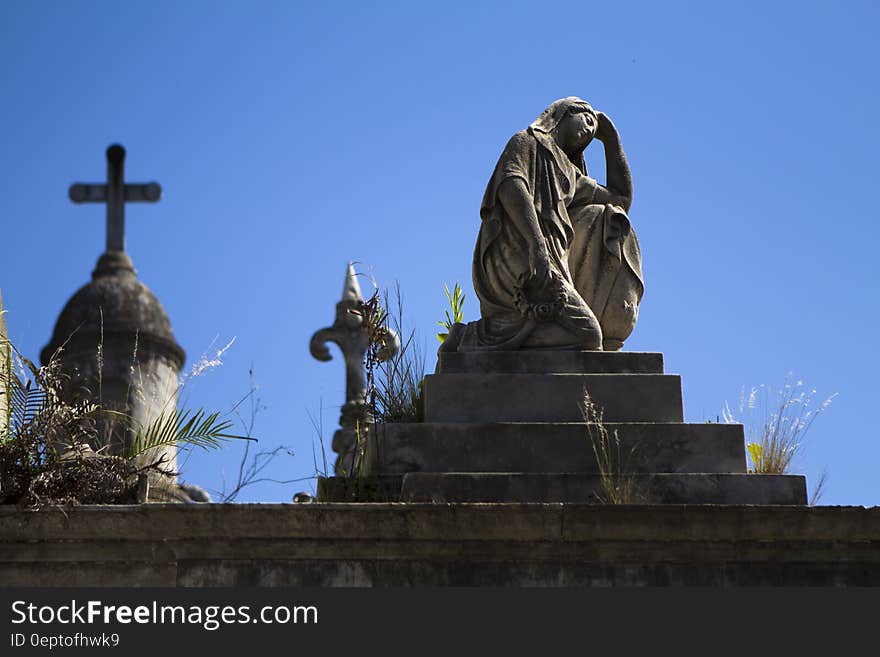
{"type": "Point", "coordinates": [509, 427]}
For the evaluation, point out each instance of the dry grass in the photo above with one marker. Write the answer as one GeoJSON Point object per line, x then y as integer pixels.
{"type": "Point", "coordinates": [618, 485]}
{"type": "Point", "coordinates": [46, 454]}
{"type": "Point", "coordinates": [776, 424]}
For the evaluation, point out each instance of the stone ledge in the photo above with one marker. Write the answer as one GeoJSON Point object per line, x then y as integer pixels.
{"type": "Point", "coordinates": [416, 545]}
{"type": "Point", "coordinates": [437, 545]}
{"type": "Point", "coordinates": [556, 361]}
{"type": "Point", "coordinates": [563, 488]}
{"type": "Point", "coordinates": [433, 521]}
{"type": "Point", "coordinates": [551, 397]}
{"type": "Point", "coordinates": [578, 488]}
{"type": "Point", "coordinates": [555, 447]}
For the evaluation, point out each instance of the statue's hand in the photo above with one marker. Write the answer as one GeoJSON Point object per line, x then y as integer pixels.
{"type": "Point", "coordinates": [605, 127]}
{"type": "Point", "coordinates": [539, 263]}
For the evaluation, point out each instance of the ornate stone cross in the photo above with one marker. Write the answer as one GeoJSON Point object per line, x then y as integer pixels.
{"type": "Point", "coordinates": [349, 332]}
{"type": "Point", "coordinates": [115, 193]}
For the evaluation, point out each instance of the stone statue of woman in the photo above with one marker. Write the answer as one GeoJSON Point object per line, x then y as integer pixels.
{"type": "Point", "coordinates": [557, 264]}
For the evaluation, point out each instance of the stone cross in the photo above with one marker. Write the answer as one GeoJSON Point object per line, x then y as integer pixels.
{"type": "Point", "coordinates": [352, 337]}
{"type": "Point", "coordinates": [115, 193]}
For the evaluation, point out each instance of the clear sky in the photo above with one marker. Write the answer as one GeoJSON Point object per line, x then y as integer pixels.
{"type": "Point", "coordinates": [292, 137]}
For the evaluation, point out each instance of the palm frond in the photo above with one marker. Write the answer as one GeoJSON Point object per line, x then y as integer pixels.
{"type": "Point", "coordinates": [26, 402]}
{"type": "Point", "coordinates": [6, 382]}
{"type": "Point", "coordinates": [183, 427]}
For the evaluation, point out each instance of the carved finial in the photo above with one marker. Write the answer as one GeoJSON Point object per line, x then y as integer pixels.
{"type": "Point", "coordinates": [351, 289]}
{"type": "Point", "coordinates": [353, 338]}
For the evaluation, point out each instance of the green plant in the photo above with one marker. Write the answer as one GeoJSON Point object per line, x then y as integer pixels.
{"type": "Point", "coordinates": [394, 378]}
{"type": "Point", "coordinates": [776, 425]}
{"type": "Point", "coordinates": [456, 305]}
{"type": "Point", "coordinates": [181, 427]}
{"type": "Point", "coordinates": [618, 485]}
{"type": "Point", "coordinates": [362, 434]}
{"type": "Point", "coordinates": [756, 454]}
{"type": "Point", "coordinates": [47, 444]}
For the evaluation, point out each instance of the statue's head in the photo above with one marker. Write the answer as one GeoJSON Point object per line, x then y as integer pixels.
{"type": "Point", "coordinates": [572, 122]}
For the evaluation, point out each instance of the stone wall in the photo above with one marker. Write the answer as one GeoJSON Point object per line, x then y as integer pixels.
{"type": "Point", "coordinates": [439, 545]}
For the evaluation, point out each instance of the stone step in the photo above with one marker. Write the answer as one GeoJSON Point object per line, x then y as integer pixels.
{"type": "Point", "coordinates": [585, 488]}
{"type": "Point", "coordinates": [564, 488]}
{"type": "Point", "coordinates": [555, 447]}
{"type": "Point", "coordinates": [551, 397]}
{"type": "Point", "coordinates": [550, 362]}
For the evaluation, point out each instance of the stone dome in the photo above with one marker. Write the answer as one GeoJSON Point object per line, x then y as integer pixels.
{"type": "Point", "coordinates": [116, 298]}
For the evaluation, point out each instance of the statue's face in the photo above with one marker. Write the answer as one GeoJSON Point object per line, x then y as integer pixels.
{"type": "Point", "coordinates": [575, 131]}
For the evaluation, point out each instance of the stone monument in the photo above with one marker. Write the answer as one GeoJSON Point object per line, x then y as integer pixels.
{"type": "Point", "coordinates": [113, 336]}
{"type": "Point", "coordinates": [557, 269]}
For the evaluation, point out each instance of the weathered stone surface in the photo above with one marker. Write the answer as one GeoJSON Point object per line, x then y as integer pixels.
{"type": "Point", "coordinates": [551, 397]}
{"type": "Point", "coordinates": [374, 573]}
{"type": "Point", "coordinates": [116, 573]}
{"type": "Point", "coordinates": [508, 427]}
{"type": "Point", "coordinates": [564, 487]}
{"type": "Point", "coordinates": [544, 361]}
{"type": "Point", "coordinates": [555, 447]}
{"type": "Point", "coordinates": [579, 488]}
{"type": "Point", "coordinates": [372, 488]}
{"type": "Point", "coordinates": [440, 545]}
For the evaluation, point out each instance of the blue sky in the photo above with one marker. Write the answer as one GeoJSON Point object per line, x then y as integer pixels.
{"type": "Point", "coordinates": [292, 137]}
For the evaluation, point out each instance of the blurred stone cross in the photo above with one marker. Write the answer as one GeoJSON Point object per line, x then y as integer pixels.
{"type": "Point", "coordinates": [115, 193]}
{"type": "Point", "coordinates": [351, 333]}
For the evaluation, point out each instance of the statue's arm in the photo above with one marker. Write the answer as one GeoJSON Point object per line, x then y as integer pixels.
{"type": "Point", "coordinates": [618, 189]}
{"type": "Point", "coordinates": [518, 205]}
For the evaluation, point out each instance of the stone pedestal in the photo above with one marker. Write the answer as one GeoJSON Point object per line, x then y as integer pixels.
{"type": "Point", "coordinates": [509, 427]}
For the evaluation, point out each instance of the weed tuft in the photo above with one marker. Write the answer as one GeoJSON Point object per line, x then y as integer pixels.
{"type": "Point", "coordinates": [776, 424]}
{"type": "Point", "coordinates": [617, 483]}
